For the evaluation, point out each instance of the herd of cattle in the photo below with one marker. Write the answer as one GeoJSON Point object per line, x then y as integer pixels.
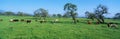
{"type": "Point", "coordinates": [29, 21]}
{"type": "Point", "coordinates": [110, 24]}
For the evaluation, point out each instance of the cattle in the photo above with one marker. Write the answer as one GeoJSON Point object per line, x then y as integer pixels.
{"type": "Point", "coordinates": [22, 20]}
{"type": "Point", "coordinates": [77, 20]}
{"type": "Point", "coordinates": [42, 21]}
{"type": "Point", "coordinates": [111, 24]}
{"type": "Point", "coordinates": [1, 19]}
{"type": "Point", "coordinates": [55, 21]}
{"type": "Point", "coordinates": [89, 22]}
{"type": "Point", "coordinates": [14, 20]}
{"type": "Point", "coordinates": [28, 21]}
{"type": "Point", "coordinates": [97, 22]}
{"type": "Point", "coordinates": [36, 20]}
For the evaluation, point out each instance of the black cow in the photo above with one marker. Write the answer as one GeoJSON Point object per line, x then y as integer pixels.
{"type": "Point", "coordinates": [111, 24]}
{"type": "Point", "coordinates": [22, 20]}
{"type": "Point", "coordinates": [1, 19]}
{"type": "Point", "coordinates": [28, 21]}
{"type": "Point", "coordinates": [42, 21]}
{"type": "Point", "coordinates": [14, 20]}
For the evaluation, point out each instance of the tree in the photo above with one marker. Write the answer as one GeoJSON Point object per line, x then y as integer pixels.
{"type": "Point", "coordinates": [59, 15]}
{"type": "Point", "coordinates": [20, 14]}
{"type": "Point", "coordinates": [54, 15]}
{"type": "Point", "coordinates": [71, 9]}
{"type": "Point", "coordinates": [9, 13]}
{"type": "Point", "coordinates": [37, 13]}
{"type": "Point", "coordinates": [1, 13]}
{"type": "Point", "coordinates": [41, 13]}
{"type": "Point", "coordinates": [66, 15]}
{"type": "Point", "coordinates": [90, 15]}
{"type": "Point", "coordinates": [44, 13]}
{"type": "Point", "coordinates": [99, 11]}
{"type": "Point", "coordinates": [23, 14]}
{"type": "Point", "coordinates": [117, 16]}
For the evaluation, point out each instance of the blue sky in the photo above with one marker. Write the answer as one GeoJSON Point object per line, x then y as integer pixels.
{"type": "Point", "coordinates": [56, 6]}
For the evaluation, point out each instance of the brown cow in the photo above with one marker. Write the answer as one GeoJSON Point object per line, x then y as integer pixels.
{"type": "Point", "coordinates": [97, 22]}
{"type": "Point", "coordinates": [89, 22]}
{"type": "Point", "coordinates": [22, 20]}
{"type": "Point", "coordinates": [1, 19]}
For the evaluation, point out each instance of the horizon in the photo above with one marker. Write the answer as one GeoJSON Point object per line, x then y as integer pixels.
{"type": "Point", "coordinates": [56, 6]}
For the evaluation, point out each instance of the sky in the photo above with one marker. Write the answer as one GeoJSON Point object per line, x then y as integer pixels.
{"type": "Point", "coordinates": [56, 6]}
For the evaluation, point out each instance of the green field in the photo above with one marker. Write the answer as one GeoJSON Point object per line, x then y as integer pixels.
{"type": "Point", "coordinates": [63, 30]}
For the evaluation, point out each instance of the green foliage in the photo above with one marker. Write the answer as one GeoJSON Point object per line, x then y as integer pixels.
{"type": "Point", "coordinates": [117, 16]}
{"type": "Point", "coordinates": [41, 13]}
{"type": "Point", "coordinates": [22, 14]}
{"type": "Point", "coordinates": [8, 13]}
{"type": "Point", "coordinates": [54, 15]}
{"type": "Point", "coordinates": [66, 15]}
{"type": "Point", "coordinates": [90, 15]}
{"type": "Point", "coordinates": [71, 9]}
{"type": "Point", "coordinates": [99, 11]}
{"type": "Point", "coordinates": [59, 15]}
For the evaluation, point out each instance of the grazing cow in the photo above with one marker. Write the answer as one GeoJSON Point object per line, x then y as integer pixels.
{"type": "Point", "coordinates": [112, 25]}
{"type": "Point", "coordinates": [36, 20]}
{"type": "Point", "coordinates": [11, 20]}
{"type": "Point", "coordinates": [89, 22]}
{"type": "Point", "coordinates": [22, 20]}
{"type": "Point", "coordinates": [28, 21]}
{"type": "Point", "coordinates": [52, 21]}
{"type": "Point", "coordinates": [42, 21]}
{"type": "Point", "coordinates": [55, 21]}
{"type": "Point", "coordinates": [77, 20]}
{"type": "Point", "coordinates": [14, 20]}
{"type": "Point", "coordinates": [1, 19]}
{"type": "Point", "coordinates": [97, 22]}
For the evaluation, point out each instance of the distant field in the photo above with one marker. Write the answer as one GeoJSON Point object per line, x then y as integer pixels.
{"type": "Point", "coordinates": [63, 30]}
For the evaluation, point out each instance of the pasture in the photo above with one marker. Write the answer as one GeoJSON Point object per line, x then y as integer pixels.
{"type": "Point", "coordinates": [63, 30]}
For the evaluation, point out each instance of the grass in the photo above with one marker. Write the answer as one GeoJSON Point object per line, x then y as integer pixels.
{"type": "Point", "coordinates": [63, 30]}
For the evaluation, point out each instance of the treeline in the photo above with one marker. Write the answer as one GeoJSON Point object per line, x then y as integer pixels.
{"type": "Point", "coordinates": [10, 13]}
{"type": "Point", "coordinates": [36, 14]}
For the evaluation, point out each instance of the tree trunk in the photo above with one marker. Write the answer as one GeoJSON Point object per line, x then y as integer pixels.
{"type": "Point", "coordinates": [102, 20]}
{"type": "Point", "coordinates": [73, 17]}
{"type": "Point", "coordinates": [74, 20]}
{"type": "Point", "coordinates": [99, 20]}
